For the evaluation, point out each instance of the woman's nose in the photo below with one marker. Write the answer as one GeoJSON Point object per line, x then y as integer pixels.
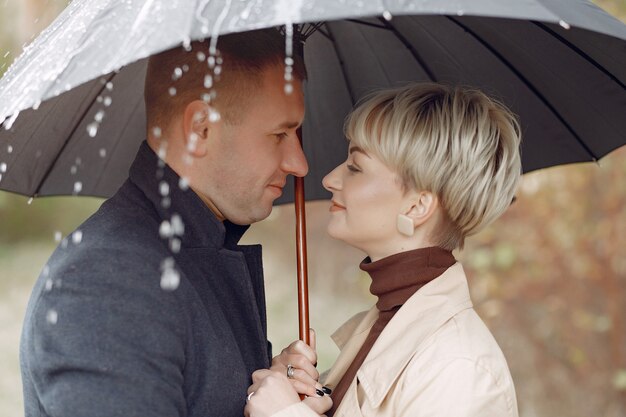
{"type": "Point", "coordinates": [332, 181]}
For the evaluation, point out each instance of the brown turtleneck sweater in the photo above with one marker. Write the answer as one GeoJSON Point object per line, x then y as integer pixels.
{"type": "Point", "coordinates": [394, 279]}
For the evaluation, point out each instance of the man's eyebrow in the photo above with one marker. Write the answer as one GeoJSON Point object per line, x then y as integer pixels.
{"type": "Point", "coordinates": [358, 149]}
{"type": "Point", "coordinates": [288, 125]}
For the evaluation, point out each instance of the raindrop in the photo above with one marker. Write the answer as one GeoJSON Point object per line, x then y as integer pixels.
{"type": "Point", "coordinates": [30, 201]}
{"type": "Point", "coordinates": [165, 230]}
{"type": "Point", "coordinates": [178, 227]}
{"type": "Point", "coordinates": [79, 161]}
{"type": "Point", "coordinates": [185, 68]}
{"type": "Point", "coordinates": [52, 317]}
{"type": "Point", "coordinates": [288, 58]}
{"type": "Point", "coordinates": [10, 149]}
{"type": "Point", "coordinates": [109, 86]}
{"type": "Point", "coordinates": [201, 56]}
{"type": "Point", "coordinates": [73, 170]}
{"type": "Point", "coordinates": [92, 129]}
{"type": "Point", "coordinates": [288, 88]}
{"type": "Point", "coordinates": [46, 270]}
{"type": "Point", "coordinates": [187, 44]}
{"type": "Point", "coordinates": [387, 15]}
{"type": "Point", "coordinates": [170, 279]}
{"type": "Point", "coordinates": [172, 91]}
{"type": "Point", "coordinates": [193, 143]}
{"type": "Point", "coordinates": [77, 237]}
{"type": "Point", "coordinates": [166, 203]}
{"type": "Point", "coordinates": [107, 101]}
{"type": "Point", "coordinates": [49, 284]}
{"type": "Point", "coordinates": [36, 105]}
{"type": "Point", "coordinates": [103, 153]}
{"type": "Point", "coordinates": [178, 72]}
{"type": "Point", "coordinates": [460, 13]}
{"type": "Point", "coordinates": [78, 187]}
{"type": "Point", "coordinates": [219, 60]}
{"type": "Point", "coordinates": [64, 243]}
{"type": "Point", "coordinates": [3, 167]}
{"type": "Point", "coordinates": [99, 99]}
{"type": "Point", "coordinates": [175, 245]}
{"type": "Point", "coordinates": [183, 183]}
{"type": "Point", "coordinates": [214, 115]}
{"type": "Point", "coordinates": [211, 61]}
{"type": "Point", "coordinates": [6, 54]}
{"type": "Point", "coordinates": [156, 131]}
{"type": "Point", "coordinates": [564, 24]}
{"type": "Point", "coordinates": [208, 81]}
{"type": "Point", "coordinates": [289, 61]}
{"type": "Point", "coordinates": [0, 177]}
{"type": "Point", "coordinates": [218, 70]}
{"type": "Point", "coordinates": [164, 188]}
{"type": "Point", "coordinates": [99, 116]}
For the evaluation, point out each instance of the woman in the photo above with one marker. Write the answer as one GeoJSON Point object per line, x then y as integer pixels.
{"type": "Point", "coordinates": [428, 165]}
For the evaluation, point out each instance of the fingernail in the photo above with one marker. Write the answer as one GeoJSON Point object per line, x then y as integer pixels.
{"type": "Point", "coordinates": [327, 390]}
{"type": "Point", "coordinates": [319, 392]}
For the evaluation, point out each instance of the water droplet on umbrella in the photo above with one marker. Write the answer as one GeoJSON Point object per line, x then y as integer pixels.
{"type": "Point", "coordinates": [387, 15]}
{"type": "Point", "coordinates": [10, 149]}
{"type": "Point", "coordinates": [103, 153]}
{"type": "Point", "coordinates": [564, 24]}
{"type": "Point", "coordinates": [109, 86]}
{"type": "Point", "coordinates": [92, 129]}
{"type": "Point", "coordinates": [107, 101]}
{"type": "Point", "coordinates": [58, 236]}
{"type": "Point", "coordinates": [52, 317]}
{"type": "Point", "coordinates": [201, 56]}
{"type": "Point", "coordinates": [77, 237]}
{"type": "Point", "coordinates": [99, 116]}
{"type": "Point", "coordinates": [78, 187]}
{"type": "Point", "coordinates": [49, 284]}
{"type": "Point", "coordinates": [172, 91]}
{"type": "Point", "coordinates": [208, 81]}
{"type": "Point", "coordinates": [36, 105]}
{"type": "Point", "coordinates": [46, 270]}
{"type": "Point", "coordinates": [187, 44]}
{"type": "Point", "coordinates": [165, 229]}
{"type": "Point", "coordinates": [164, 188]}
{"type": "Point", "coordinates": [460, 13]}
{"type": "Point", "coordinates": [183, 183]}
{"type": "Point", "coordinates": [3, 167]}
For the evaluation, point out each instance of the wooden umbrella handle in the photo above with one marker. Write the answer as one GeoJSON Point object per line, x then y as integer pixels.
{"type": "Point", "coordinates": [301, 256]}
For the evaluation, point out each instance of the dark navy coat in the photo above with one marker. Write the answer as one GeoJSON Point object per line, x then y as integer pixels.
{"type": "Point", "coordinates": [102, 337]}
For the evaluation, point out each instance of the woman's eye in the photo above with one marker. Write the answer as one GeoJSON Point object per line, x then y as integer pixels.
{"type": "Point", "coordinates": [353, 168]}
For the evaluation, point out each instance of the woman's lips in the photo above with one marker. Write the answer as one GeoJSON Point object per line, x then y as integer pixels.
{"type": "Point", "coordinates": [336, 207]}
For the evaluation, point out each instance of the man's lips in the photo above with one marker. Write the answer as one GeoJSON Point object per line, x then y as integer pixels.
{"type": "Point", "coordinates": [336, 206]}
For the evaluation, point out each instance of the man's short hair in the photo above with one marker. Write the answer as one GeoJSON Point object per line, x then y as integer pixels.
{"type": "Point", "coordinates": [243, 57]}
{"type": "Point", "coordinates": [455, 142]}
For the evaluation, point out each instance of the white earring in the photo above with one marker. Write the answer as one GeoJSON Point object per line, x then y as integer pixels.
{"type": "Point", "coordinates": [405, 225]}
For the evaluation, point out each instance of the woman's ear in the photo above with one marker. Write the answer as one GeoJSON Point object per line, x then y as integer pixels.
{"type": "Point", "coordinates": [423, 205]}
{"type": "Point", "coordinates": [196, 126]}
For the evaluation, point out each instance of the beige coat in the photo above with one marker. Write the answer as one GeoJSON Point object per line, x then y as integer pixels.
{"type": "Point", "coordinates": [434, 358]}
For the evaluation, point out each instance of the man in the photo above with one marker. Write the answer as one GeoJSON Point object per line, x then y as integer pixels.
{"type": "Point", "coordinates": [156, 310]}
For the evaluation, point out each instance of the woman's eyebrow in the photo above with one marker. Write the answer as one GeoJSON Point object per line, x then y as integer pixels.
{"type": "Point", "coordinates": [358, 149]}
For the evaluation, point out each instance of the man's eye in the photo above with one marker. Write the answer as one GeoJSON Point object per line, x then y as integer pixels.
{"type": "Point", "coordinates": [353, 168]}
{"type": "Point", "coordinates": [281, 135]}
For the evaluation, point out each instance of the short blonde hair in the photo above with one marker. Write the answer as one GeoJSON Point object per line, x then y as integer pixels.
{"type": "Point", "coordinates": [455, 142]}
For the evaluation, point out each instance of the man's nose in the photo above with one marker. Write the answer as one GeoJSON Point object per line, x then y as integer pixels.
{"type": "Point", "coordinates": [332, 180]}
{"type": "Point", "coordinates": [294, 162]}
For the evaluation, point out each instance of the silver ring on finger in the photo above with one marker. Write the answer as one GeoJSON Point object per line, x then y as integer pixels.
{"type": "Point", "coordinates": [249, 396]}
{"type": "Point", "coordinates": [290, 371]}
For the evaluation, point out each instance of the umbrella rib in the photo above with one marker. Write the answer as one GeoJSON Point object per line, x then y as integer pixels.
{"type": "Point", "coordinates": [362, 22]}
{"type": "Point", "coordinates": [341, 64]}
{"type": "Point", "coordinates": [51, 166]}
{"type": "Point", "coordinates": [409, 46]}
{"type": "Point", "coordinates": [528, 84]}
{"type": "Point", "coordinates": [580, 52]}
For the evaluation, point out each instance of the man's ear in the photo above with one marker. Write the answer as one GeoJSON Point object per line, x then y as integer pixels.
{"type": "Point", "coordinates": [423, 205]}
{"type": "Point", "coordinates": [196, 127]}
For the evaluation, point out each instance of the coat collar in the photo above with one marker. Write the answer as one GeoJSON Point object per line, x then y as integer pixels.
{"type": "Point", "coordinates": [423, 313]}
{"type": "Point", "coordinates": [202, 228]}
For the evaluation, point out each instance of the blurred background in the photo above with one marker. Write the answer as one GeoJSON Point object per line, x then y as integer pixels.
{"type": "Point", "coordinates": [549, 277]}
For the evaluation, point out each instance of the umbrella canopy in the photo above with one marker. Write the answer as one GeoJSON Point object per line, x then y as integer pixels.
{"type": "Point", "coordinates": [559, 64]}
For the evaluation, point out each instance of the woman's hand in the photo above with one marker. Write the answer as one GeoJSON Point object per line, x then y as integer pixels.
{"type": "Point", "coordinates": [272, 391]}
{"type": "Point", "coordinates": [303, 359]}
